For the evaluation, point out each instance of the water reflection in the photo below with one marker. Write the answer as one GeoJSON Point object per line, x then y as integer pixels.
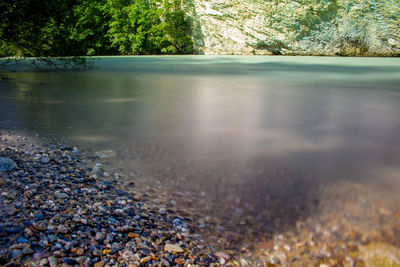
{"type": "Point", "coordinates": [252, 140]}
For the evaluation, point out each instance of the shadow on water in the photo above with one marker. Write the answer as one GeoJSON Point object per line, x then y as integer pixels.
{"type": "Point", "coordinates": [245, 148]}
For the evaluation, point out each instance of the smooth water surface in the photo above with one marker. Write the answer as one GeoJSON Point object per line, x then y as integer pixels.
{"type": "Point", "coordinates": [238, 130]}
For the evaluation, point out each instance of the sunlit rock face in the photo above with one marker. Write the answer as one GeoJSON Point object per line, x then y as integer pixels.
{"type": "Point", "coordinates": [305, 27]}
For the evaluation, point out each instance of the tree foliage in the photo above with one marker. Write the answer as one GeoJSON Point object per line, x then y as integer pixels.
{"type": "Point", "coordinates": [56, 28]}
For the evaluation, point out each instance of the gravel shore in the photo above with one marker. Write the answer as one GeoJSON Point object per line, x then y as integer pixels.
{"type": "Point", "coordinates": [55, 213]}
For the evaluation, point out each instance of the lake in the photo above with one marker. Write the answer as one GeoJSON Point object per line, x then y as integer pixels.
{"type": "Point", "coordinates": [250, 147]}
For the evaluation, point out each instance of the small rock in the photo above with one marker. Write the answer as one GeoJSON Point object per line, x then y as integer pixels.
{"type": "Point", "coordinates": [80, 251]}
{"type": "Point", "coordinates": [96, 252]}
{"type": "Point", "coordinates": [52, 238]}
{"type": "Point", "coordinates": [146, 259]}
{"type": "Point", "coordinates": [106, 251]}
{"type": "Point", "coordinates": [52, 261]}
{"type": "Point", "coordinates": [69, 261]}
{"type": "Point", "coordinates": [128, 255]}
{"type": "Point", "coordinates": [43, 262]}
{"type": "Point", "coordinates": [99, 236]}
{"type": "Point", "coordinates": [22, 240]}
{"type": "Point", "coordinates": [105, 154]}
{"type": "Point", "coordinates": [99, 264]}
{"type": "Point", "coordinates": [132, 235]}
{"type": "Point", "coordinates": [61, 195]}
{"type": "Point", "coordinates": [16, 253]}
{"type": "Point", "coordinates": [173, 248]}
{"type": "Point", "coordinates": [45, 159]}
{"type": "Point", "coordinates": [12, 211]}
{"type": "Point", "coordinates": [223, 255]}
{"type": "Point", "coordinates": [27, 251]}
{"type": "Point", "coordinates": [7, 164]}
{"type": "Point", "coordinates": [179, 261]}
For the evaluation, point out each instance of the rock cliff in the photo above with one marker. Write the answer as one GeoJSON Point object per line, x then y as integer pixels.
{"type": "Point", "coordinates": [302, 27]}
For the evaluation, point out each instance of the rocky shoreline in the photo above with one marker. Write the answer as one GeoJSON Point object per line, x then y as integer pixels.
{"type": "Point", "coordinates": [55, 213]}
{"type": "Point", "coordinates": [56, 210]}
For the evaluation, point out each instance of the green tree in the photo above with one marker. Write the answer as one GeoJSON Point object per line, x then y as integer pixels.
{"type": "Point", "coordinates": [177, 29]}
{"type": "Point", "coordinates": [56, 28]}
{"type": "Point", "coordinates": [90, 27]}
{"type": "Point", "coordinates": [35, 27]}
{"type": "Point", "coordinates": [145, 28]}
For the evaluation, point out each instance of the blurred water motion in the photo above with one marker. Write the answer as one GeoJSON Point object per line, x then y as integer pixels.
{"type": "Point", "coordinates": [240, 130]}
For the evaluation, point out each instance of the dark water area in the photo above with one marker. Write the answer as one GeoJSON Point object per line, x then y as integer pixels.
{"type": "Point", "coordinates": [252, 142]}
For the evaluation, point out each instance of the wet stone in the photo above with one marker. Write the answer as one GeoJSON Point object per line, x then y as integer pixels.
{"type": "Point", "coordinates": [22, 240]}
{"type": "Point", "coordinates": [69, 261]}
{"type": "Point", "coordinates": [52, 261]}
{"type": "Point", "coordinates": [27, 251]}
{"type": "Point", "coordinates": [54, 214]}
{"type": "Point", "coordinates": [7, 164]}
{"type": "Point", "coordinates": [43, 262]}
{"type": "Point", "coordinates": [45, 159]}
{"type": "Point", "coordinates": [128, 255]}
{"type": "Point", "coordinates": [16, 253]}
{"type": "Point", "coordinates": [99, 236]}
{"type": "Point", "coordinates": [105, 154]}
{"type": "Point", "coordinates": [173, 248]}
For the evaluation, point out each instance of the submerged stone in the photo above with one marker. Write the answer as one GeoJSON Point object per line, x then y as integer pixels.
{"type": "Point", "coordinates": [105, 154]}
{"type": "Point", "coordinates": [7, 164]}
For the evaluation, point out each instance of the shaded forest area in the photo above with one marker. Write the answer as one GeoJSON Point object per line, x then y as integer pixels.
{"type": "Point", "coordinates": [56, 28]}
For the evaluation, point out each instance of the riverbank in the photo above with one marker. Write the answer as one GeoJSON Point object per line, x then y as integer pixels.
{"type": "Point", "coordinates": [55, 212]}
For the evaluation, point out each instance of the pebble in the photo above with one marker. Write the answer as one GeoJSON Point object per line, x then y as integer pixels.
{"type": "Point", "coordinates": [43, 262]}
{"type": "Point", "coordinates": [128, 255]}
{"type": "Point", "coordinates": [223, 255]}
{"type": "Point", "coordinates": [105, 154]}
{"type": "Point", "coordinates": [7, 164]}
{"type": "Point", "coordinates": [27, 251]}
{"type": "Point", "coordinates": [52, 261]}
{"type": "Point", "coordinates": [106, 251]}
{"type": "Point", "coordinates": [99, 236]}
{"type": "Point", "coordinates": [45, 159]}
{"type": "Point", "coordinates": [16, 253]}
{"type": "Point", "coordinates": [22, 240]}
{"type": "Point", "coordinates": [80, 251]}
{"type": "Point", "coordinates": [173, 248]}
{"type": "Point", "coordinates": [146, 259]}
{"type": "Point", "coordinates": [69, 261]}
{"type": "Point", "coordinates": [61, 195]}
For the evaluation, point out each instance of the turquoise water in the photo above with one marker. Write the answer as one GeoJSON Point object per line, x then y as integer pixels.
{"type": "Point", "coordinates": [232, 128]}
